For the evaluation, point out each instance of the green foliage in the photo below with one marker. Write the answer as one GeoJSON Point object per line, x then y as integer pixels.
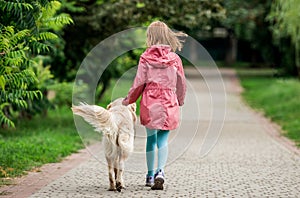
{"type": "Point", "coordinates": [102, 19]}
{"type": "Point", "coordinates": [285, 17]}
{"type": "Point", "coordinates": [245, 20]}
{"type": "Point", "coordinates": [25, 32]}
{"type": "Point", "coordinates": [35, 143]}
{"type": "Point", "coordinates": [49, 18]}
{"type": "Point", "coordinates": [278, 98]}
{"type": "Point", "coordinates": [3, 117]}
{"type": "Point", "coordinates": [270, 27]}
{"type": "Point", "coordinates": [243, 17]}
{"type": "Point", "coordinates": [72, 6]}
{"type": "Point", "coordinates": [43, 73]}
{"type": "Point", "coordinates": [62, 93]}
{"type": "Point", "coordinates": [45, 78]}
{"type": "Point", "coordinates": [16, 78]}
{"type": "Point", "coordinates": [33, 15]}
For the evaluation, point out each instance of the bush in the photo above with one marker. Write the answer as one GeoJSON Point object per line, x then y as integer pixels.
{"type": "Point", "coordinates": [26, 30]}
{"type": "Point", "coordinates": [60, 94]}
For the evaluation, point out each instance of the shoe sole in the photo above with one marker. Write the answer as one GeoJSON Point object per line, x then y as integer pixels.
{"type": "Point", "coordinates": [158, 184]}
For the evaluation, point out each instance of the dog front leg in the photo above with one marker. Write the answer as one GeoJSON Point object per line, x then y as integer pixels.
{"type": "Point", "coordinates": [112, 186]}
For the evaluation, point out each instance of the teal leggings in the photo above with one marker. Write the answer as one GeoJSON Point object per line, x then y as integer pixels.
{"type": "Point", "coordinates": [159, 139]}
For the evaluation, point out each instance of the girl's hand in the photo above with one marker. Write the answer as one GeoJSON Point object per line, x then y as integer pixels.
{"type": "Point", "coordinates": [125, 102]}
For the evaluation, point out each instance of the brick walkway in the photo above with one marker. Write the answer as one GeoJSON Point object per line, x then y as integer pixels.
{"type": "Point", "coordinates": [248, 158]}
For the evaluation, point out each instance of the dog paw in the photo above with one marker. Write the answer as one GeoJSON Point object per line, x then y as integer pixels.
{"type": "Point", "coordinates": [112, 189]}
{"type": "Point", "coordinates": [119, 186]}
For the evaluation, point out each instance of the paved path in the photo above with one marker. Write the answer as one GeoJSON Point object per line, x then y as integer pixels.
{"type": "Point", "coordinates": [215, 153]}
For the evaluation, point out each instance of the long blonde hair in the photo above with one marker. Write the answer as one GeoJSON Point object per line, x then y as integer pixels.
{"type": "Point", "coordinates": [159, 33]}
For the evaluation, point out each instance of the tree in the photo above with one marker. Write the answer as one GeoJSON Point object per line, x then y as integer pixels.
{"type": "Point", "coordinates": [102, 19]}
{"type": "Point", "coordinates": [25, 33]}
{"type": "Point", "coordinates": [245, 21]}
{"type": "Point", "coordinates": [15, 77]}
{"type": "Point", "coordinates": [285, 17]}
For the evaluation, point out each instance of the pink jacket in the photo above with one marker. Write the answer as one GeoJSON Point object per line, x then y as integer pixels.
{"type": "Point", "coordinates": [161, 81]}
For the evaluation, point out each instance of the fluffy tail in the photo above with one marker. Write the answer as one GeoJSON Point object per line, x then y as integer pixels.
{"type": "Point", "coordinates": [95, 115]}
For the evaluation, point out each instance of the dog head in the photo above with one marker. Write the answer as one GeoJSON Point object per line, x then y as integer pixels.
{"type": "Point", "coordinates": [116, 102]}
{"type": "Point", "coordinates": [131, 107]}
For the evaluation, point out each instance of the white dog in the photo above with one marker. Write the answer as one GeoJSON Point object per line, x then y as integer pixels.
{"type": "Point", "coordinates": [117, 125]}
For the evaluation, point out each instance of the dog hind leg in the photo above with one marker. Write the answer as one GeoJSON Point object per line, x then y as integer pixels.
{"type": "Point", "coordinates": [112, 186]}
{"type": "Point", "coordinates": [116, 170]}
{"type": "Point", "coordinates": [120, 182]}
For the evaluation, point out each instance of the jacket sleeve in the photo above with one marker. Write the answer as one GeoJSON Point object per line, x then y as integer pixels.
{"type": "Point", "coordinates": [181, 83]}
{"type": "Point", "coordinates": [138, 84]}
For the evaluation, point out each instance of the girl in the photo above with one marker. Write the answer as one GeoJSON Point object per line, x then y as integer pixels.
{"type": "Point", "coordinates": [161, 81]}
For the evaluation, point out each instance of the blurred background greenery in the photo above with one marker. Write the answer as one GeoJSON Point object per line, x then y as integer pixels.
{"type": "Point", "coordinates": [43, 43]}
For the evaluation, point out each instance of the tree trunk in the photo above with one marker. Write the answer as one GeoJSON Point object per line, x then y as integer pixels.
{"type": "Point", "coordinates": [297, 58]}
{"type": "Point", "coordinates": [231, 53]}
{"type": "Point", "coordinates": [193, 53]}
{"type": "Point", "coordinates": [104, 88]}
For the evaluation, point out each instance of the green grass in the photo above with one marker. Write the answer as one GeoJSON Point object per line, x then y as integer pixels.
{"type": "Point", "coordinates": [49, 139]}
{"type": "Point", "coordinates": [278, 98]}
{"type": "Point", "coordinates": [38, 141]}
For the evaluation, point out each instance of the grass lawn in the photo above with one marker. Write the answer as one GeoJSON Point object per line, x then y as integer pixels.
{"type": "Point", "coordinates": [48, 139]}
{"type": "Point", "coordinates": [278, 98]}
{"type": "Point", "coordinates": [37, 141]}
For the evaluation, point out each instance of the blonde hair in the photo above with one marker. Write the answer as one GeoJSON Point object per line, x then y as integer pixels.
{"type": "Point", "coordinates": [159, 33]}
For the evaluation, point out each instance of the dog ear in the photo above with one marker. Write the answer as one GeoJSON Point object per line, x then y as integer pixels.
{"type": "Point", "coordinates": [108, 106]}
{"type": "Point", "coordinates": [134, 117]}
{"type": "Point", "coordinates": [133, 107]}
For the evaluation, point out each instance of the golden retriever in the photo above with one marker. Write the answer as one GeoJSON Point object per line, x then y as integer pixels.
{"type": "Point", "coordinates": [116, 122]}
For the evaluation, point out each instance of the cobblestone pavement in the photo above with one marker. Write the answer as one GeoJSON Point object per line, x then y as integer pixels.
{"type": "Point", "coordinates": [212, 154]}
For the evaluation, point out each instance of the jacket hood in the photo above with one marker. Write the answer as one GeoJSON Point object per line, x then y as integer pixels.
{"type": "Point", "coordinates": [159, 56]}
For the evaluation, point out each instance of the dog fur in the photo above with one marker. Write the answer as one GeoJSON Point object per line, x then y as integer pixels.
{"type": "Point", "coordinates": [116, 122]}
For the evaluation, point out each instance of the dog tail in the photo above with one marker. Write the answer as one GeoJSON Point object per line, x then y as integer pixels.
{"type": "Point", "coordinates": [95, 115]}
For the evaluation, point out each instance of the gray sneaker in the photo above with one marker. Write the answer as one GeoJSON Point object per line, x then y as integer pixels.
{"type": "Point", "coordinates": [159, 179]}
{"type": "Point", "coordinates": [149, 181]}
